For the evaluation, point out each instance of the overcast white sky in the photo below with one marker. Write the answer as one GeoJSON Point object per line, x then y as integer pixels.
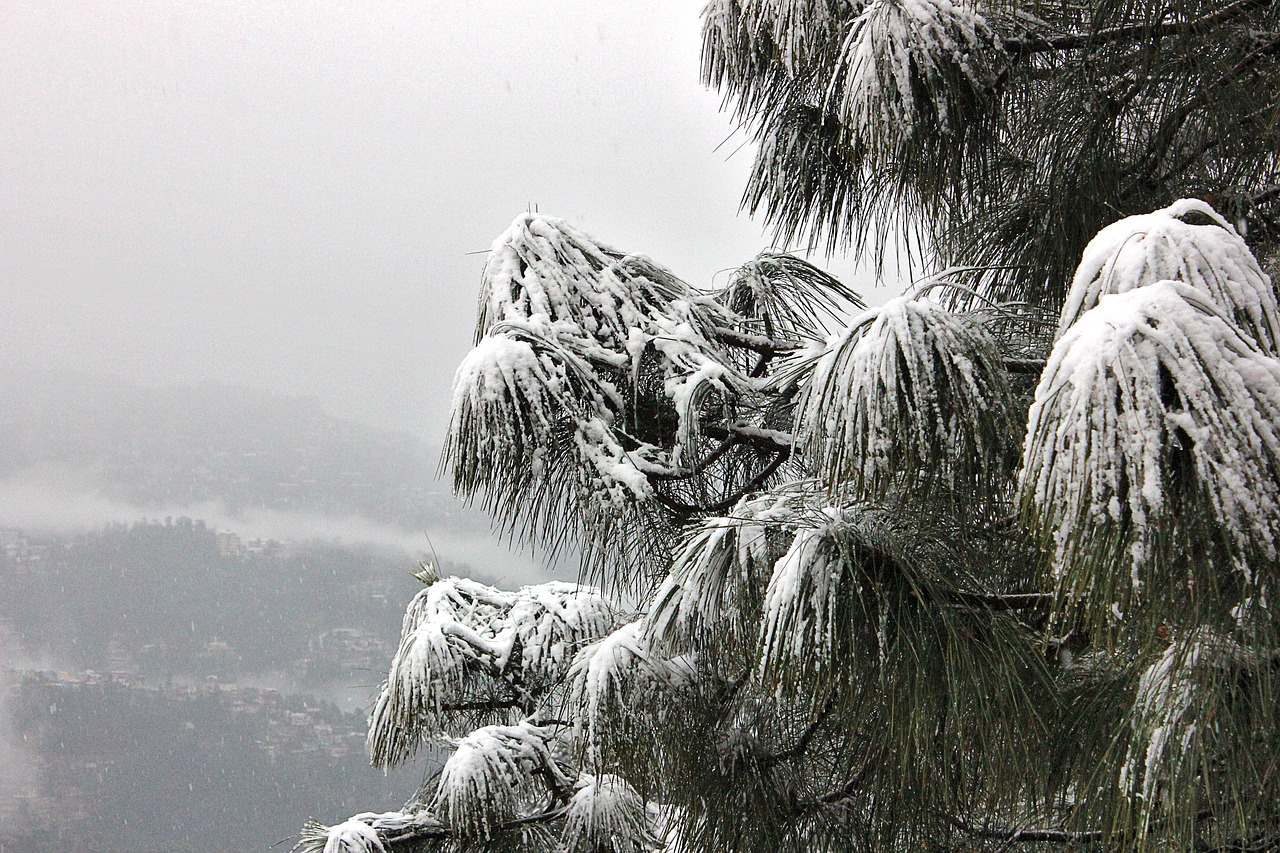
{"type": "Point", "coordinates": [288, 194]}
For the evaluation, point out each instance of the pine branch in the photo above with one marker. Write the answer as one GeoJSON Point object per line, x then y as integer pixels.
{"type": "Point", "coordinates": [1014, 601]}
{"type": "Point", "coordinates": [702, 465]}
{"type": "Point", "coordinates": [846, 791]}
{"type": "Point", "coordinates": [487, 659]}
{"type": "Point", "coordinates": [765, 439]}
{"type": "Point", "coordinates": [1175, 121]}
{"type": "Point", "coordinates": [1261, 844]}
{"type": "Point", "coordinates": [513, 704]}
{"type": "Point", "coordinates": [560, 787]}
{"type": "Point", "coordinates": [1132, 32]}
{"type": "Point", "coordinates": [806, 736]}
{"type": "Point", "coordinates": [404, 839]}
{"type": "Point", "coordinates": [842, 793]}
{"type": "Point", "coordinates": [756, 343]}
{"type": "Point", "coordinates": [1015, 836]}
{"type": "Point", "coordinates": [1266, 195]}
{"type": "Point", "coordinates": [1058, 836]}
{"type": "Point", "coordinates": [1024, 366]}
{"type": "Point", "coordinates": [752, 485]}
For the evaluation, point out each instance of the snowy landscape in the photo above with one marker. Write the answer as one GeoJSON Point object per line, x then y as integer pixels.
{"type": "Point", "coordinates": [941, 513]}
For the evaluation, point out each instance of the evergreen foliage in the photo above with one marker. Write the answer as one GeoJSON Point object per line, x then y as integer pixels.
{"type": "Point", "coordinates": [860, 622]}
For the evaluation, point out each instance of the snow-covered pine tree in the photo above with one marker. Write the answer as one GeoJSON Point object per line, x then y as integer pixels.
{"type": "Point", "coordinates": [948, 573]}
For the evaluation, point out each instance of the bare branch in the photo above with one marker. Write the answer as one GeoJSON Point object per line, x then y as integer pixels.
{"type": "Point", "coordinates": [1024, 366]}
{"type": "Point", "coordinates": [720, 506]}
{"type": "Point", "coordinates": [765, 439]}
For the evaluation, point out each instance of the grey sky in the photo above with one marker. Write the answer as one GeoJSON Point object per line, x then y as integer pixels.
{"type": "Point", "coordinates": [283, 194]}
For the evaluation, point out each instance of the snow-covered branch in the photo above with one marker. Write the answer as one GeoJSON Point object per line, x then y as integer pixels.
{"type": "Point", "coordinates": [757, 343]}
{"type": "Point", "coordinates": [905, 63]}
{"type": "Point", "coordinates": [467, 647]}
{"type": "Point", "coordinates": [907, 391]}
{"type": "Point", "coordinates": [1138, 251]}
{"type": "Point", "coordinates": [1153, 401]}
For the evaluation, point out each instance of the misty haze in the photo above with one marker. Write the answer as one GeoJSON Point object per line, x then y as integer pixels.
{"type": "Point", "coordinates": [785, 426]}
{"type": "Point", "coordinates": [202, 585]}
{"type": "Point", "coordinates": [240, 245]}
{"type": "Point", "coordinates": [239, 249]}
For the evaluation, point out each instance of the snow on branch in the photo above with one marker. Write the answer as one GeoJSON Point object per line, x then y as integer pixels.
{"type": "Point", "coordinates": [829, 595]}
{"type": "Point", "coordinates": [370, 833]}
{"type": "Point", "coordinates": [908, 63]}
{"type": "Point", "coordinates": [466, 646]}
{"type": "Point", "coordinates": [748, 42]}
{"type": "Point", "coordinates": [805, 619]}
{"type": "Point", "coordinates": [588, 291]}
{"type": "Point", "coordinates": [591, 373]}
{"type": "Point", "coordinates": [691, 371]}
{"type": "Point", "coordinates": [520, 393]}
{"type": "Point", "coordinates": [909, 391]}
{"type": "Point", "coordinates": [609, 679]}
{"type": "Point", "coordinates": [713, 589]}
{"type": "Point", "coordinates": [776, 293]}
{"type": "Point", "coordinates": [550, 622]}
{"type": "Point", "coordinates": [486, 789]}
{"type": "Point", "coordinates": [506, 390]}
{"type": "Point", "coordinates": [1141, 250]}
{"type": "Point", "coordinates": [1178, 711]}
{"type": "Point", "coordinates": [489, 778]}
{"type": "Point", "coordinates": [353, 836]}
{"type": "Point", "coordinates": [1154, 419]}
{"type": "Point", "coordinates": [606, 815]}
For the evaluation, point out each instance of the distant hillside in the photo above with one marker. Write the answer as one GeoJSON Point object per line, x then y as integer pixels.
{"type": "Point", "coordinates": [184, 571]}
{"type": "Point", "coordinates": [171, 600]}
{"type": "Point", "coordinates": [185, 446]}
{"type": "Point", "coordinates": [128, 768]}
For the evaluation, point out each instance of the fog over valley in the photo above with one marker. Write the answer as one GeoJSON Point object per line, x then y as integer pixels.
{"type": "Point", "coordinates": [78, 452]}
{"type": "Point", "coordinates": [188, 565]}
{"type": "Point", "coordinates": [240, 249]}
